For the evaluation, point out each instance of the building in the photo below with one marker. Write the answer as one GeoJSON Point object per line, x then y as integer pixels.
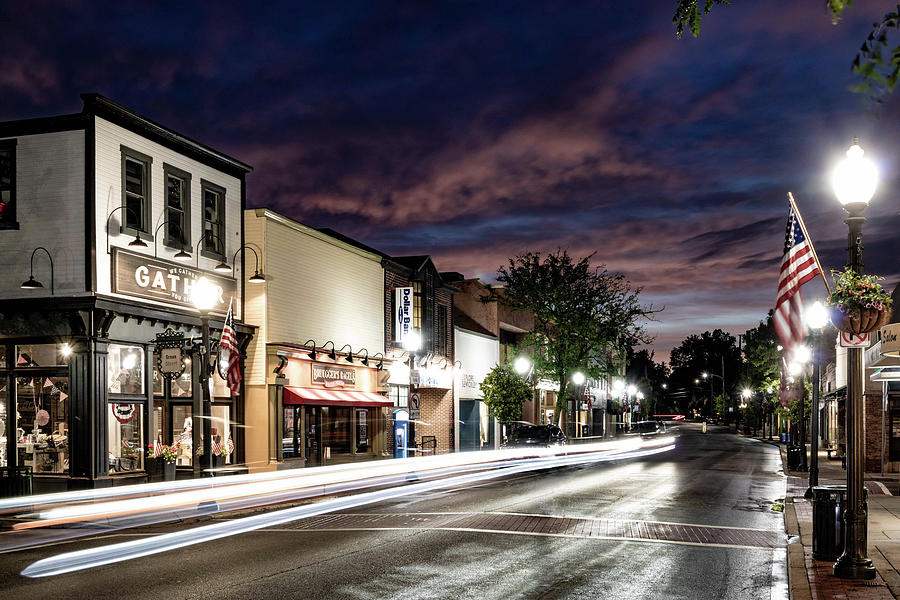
{"type": "Point", "coordinates": [316, 374]}
{"type": "Point", "coordinates": [107, 221]}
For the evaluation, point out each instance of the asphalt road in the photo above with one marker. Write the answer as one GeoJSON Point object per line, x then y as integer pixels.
{"type": "Point", "coordinates": [694, 523]}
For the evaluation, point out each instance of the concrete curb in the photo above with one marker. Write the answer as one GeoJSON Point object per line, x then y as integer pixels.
{"type": "Point", "coordinates": [798, 578]}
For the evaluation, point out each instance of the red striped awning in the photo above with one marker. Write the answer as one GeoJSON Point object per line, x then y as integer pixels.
{"type": "Point", "coordinates": [321, 397]}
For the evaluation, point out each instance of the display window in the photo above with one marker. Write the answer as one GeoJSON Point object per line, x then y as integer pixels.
{"type": "Point", "coordinates": [125, 370]}
{"type": "Point", "coordinates": [42, 427]}
{"type": "Point", "coordinates": [182, 432]}
{"type": "Point", "coordinates": [4, 420]}
{"type": "Point", "coordinates": [42, 355]}
{"type": "Point", "coordinates": [336, 429]}
{"type": "Point", "coordinates": [125, 437]}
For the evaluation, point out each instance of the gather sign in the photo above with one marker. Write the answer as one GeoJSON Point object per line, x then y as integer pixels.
{"type": "Point", "coordinates": [164, 281]}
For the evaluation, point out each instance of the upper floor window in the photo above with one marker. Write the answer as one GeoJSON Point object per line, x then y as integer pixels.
{"type": "Point", "coordinates": [417, 305]}
{"type": "Point", "coordinates": [178, 207]}
{"type": "Point", "coordinates": [213, 219]}
{"type": "Point", "coordinates": [8, 184]}
{"type": "Point", "coordinates": [136, 191]}
{"type": "Point", "coordinates": [440, 333]}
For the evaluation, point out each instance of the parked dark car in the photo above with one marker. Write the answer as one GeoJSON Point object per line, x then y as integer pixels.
{"type": "Point", "coordinates": [536, 436]}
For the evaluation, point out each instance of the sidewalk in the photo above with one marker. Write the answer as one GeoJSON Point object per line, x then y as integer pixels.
{"type": "Point", "coordinates": [813, 579]}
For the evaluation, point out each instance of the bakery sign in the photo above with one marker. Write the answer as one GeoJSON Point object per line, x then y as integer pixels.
{"type": "Point", "coordinates": [333, 377]}
{"type": "Point", "coordinates": [164, 281]}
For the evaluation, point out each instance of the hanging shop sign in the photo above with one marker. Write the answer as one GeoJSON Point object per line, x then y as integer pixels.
{"type": "Point", "coordinates": [164, 281]}
{"type": "Point", "coordinates": [890, 340]}
{"type": "Point", "coordinates": [403, 303]}
{"type": "Point", "coordinates": [170, 353]}
{"type": "Point", "coordinates": [124, 412]}
{"type": "Point", "coordinates": [333, 377]}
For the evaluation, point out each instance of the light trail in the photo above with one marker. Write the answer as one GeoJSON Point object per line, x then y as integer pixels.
{"type": "Point", "coordinates": [119, 552]}
{"type": "Point", "coordinates": [136, 499]}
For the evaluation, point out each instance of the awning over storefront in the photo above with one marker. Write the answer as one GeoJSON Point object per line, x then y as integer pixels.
{"type": "Point", "coordinates": [320, 397]}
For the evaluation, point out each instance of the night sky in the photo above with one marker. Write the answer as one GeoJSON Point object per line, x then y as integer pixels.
{"type": "Point", "coordinates": [477, 130]}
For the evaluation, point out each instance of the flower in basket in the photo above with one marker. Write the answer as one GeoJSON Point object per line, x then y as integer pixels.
{"type": "Point", "coordinates": [860, 303]}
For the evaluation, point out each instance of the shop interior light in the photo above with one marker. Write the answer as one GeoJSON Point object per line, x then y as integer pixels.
{"type": "Point", "coordinates": [129, 361]}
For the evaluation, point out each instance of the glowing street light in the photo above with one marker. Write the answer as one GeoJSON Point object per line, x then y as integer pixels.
{"type": "Point", "coordinates": [522, 365]}
{"type": "Point", "coordinates": [578, 378]}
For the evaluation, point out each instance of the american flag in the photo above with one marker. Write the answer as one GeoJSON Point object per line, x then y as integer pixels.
{"type": "Point", "coordinates": [157, 449]}
{"type": "Point", "coordinates": [798, 265]}
{"type": "Point", "coordinates": [229, 445]}
{"type": "Point", "coordinates": [216, 446]}
{"type": "Point", "coordinates": [229, 354]}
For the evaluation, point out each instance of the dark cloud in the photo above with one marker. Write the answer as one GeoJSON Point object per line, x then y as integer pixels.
{"type": "Point", "coordinates": [474, 131]}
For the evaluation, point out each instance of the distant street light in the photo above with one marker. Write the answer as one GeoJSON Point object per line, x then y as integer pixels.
{"type": "Point", "coordinates": [578, 378]}
{"type": "Point", "coordinates": [522, 365]}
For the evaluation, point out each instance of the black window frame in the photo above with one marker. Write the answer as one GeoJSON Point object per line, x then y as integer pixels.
{"type": "Point", "coordinates": [208, 186]}
{"type": "Point", "coordinates": [146, 232]}
{"type": "Point", "coordinates": [440, 334]}
{"type": "Point", "coordinates": [11, 222]}
{"type": "Point", "coordinates": [184, 176]}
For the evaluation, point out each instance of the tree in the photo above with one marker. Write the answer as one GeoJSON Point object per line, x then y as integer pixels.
{"type": "Point", "coordinates": [504, 393]}
{"type": "Point", "coordinates": [709, 352]}
{"type": "Point", "coordinates": [579, 311]}
{"type": "Point", "coordinates": [762, 355]}
{"type": "Point", "coordinates": [877, 74]}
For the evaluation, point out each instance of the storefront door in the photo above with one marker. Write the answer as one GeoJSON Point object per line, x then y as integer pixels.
{"type": "Point", "coordinates": [469, 427]}
{"type": "Point", "coordinates": [313, 420]}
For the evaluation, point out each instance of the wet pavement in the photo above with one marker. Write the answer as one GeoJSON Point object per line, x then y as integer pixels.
{"type": "Point", "coordinates": [696, 522]}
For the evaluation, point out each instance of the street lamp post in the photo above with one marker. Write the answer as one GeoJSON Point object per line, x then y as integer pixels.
{"type": "Point", "coordinates": [854, 183]}
{"type": "Point", "coordinates": [204, 298]}
{"type": "Point", "coordinates": [816, 318]}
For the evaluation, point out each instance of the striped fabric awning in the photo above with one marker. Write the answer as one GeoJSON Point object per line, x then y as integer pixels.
{"type": "Point", "coordinates": [320, 397]}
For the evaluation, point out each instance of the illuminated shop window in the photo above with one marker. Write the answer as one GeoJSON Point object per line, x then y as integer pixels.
{"type": "Point", "coordinates": [42, 427]}
{"type": "Point", "coordinates": [125, 437]}
{"type": "Point", "coordinates": [125, 369]}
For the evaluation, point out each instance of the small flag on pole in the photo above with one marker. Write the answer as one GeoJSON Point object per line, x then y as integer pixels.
{"type": "Point", "coordinates": [229, 445]}
{"type": "Point", "coordinates": [157, 449]}
{"type": "Point", "coordinates": [216, 446]}
{"type": "Point", "coordinates": [229, 353]}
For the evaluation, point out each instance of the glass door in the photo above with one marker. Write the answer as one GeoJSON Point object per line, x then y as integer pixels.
{"type": "Point", "coordinates": [42, 427]}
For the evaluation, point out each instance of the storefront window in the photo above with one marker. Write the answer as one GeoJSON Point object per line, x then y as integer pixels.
{"type": "Point", "coordinates": [336, 429]}
{"type": "Point", "coordinates": [125, 438]}
{"type": "Point", "coordinates": [42, 431]}
{"type": "Point", "coordinates": [42, 355]}
{"type": "Point", "coordinates": [290, 435]}
{"type": "Point", "coordinates": [399, 395]}
{"type": "Point", "coordinates": [182, 428]}
{"type": "Point", "coordinates": [158, 383]}
{"type": "Point", "coordinates": [158, 423]}
{"type": "Point", "coordinates": [4, 394]}
{"type": "Point", "coordinates": [2, 357]}
{"type": "Point", "coordinates": [181, 387]}
{"type": "Point", "coordinates": [221, 430]}
{"type": "Point", "coordinates": [125, 370]}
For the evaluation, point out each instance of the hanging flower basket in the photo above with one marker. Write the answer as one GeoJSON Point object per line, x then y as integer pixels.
{"type": "Point", "coordinates": [864, 320]}
{"type": "Point", "coordinates": [859, 303]}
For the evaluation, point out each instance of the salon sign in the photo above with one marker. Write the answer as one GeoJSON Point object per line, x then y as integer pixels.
{"type": "Point", "coordinates": [164, 281]}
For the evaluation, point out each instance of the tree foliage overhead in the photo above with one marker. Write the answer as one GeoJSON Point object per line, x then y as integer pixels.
{"type": "Point", "coordinates": [580, 313]}
{"type": "Point", "coordinates": [876, 64]}
{"type": "Point", "coordinates": [504, 393]}
{"type": "Point", "coordinates": [649, 377]}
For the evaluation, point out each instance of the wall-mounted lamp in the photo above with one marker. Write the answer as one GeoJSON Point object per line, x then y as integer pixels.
{"type": "Point", "coordinates": [380, 364]}
{"type": "Point", "coordinates": [332, 355]}
{"type": "Point", "coordinates": [34, 284]}
{"type": "Point", "coordinates": [181, 254]}
{"type": "Point", "coordinates": [312, 353]}
{"type": "Point", "coordinates": [257, 277]}
{"type": "Point", "coordinates": [222, 267]}
{"type": "Point", "coordinates": [349, 358]}
{"type": "Point", "coordinates": [365, 359]}
{"type": "Point", "coordinates": [137, 242]}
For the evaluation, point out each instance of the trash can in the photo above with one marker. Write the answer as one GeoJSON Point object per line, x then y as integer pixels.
{"type": "Point", "coordinates": [828, 521]}
{"type": "Point", "coordinates": [15, 481]}
{"type": "Point", "coordinates": [794, 458]}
